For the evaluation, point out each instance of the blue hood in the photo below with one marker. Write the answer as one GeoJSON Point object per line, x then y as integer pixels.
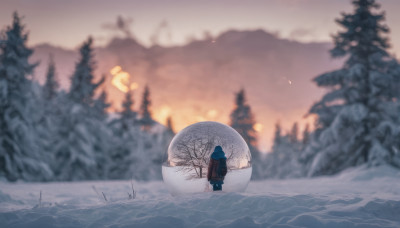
{"type": "Point", "coordinates": [218, 153]}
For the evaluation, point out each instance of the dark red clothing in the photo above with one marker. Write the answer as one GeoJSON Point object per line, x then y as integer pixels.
{"type": "Point", "coordinates": [212, 174]}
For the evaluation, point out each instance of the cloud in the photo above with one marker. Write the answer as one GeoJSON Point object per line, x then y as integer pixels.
{"type": "Point", "coordinates": [301, 33]}
{"type": "Point", "coordinates": [291, 3]}
{"type": "Point", "coordinates": [163, 26]}
{"type": "Point", "coordinates": [121, 25]}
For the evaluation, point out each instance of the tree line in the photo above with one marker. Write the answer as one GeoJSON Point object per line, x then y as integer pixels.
{"type": "Point", "coordinates": [49, 134]}
{"type": "Point", "coordinates": [358, 119]}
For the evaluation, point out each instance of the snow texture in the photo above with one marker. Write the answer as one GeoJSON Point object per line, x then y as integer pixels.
{"type": "Point", "coordinates": [356, 198]}
{"type": "Point", "coordinates": [235, 181]}
{"type": "Point", "coordinates": [358, 117]}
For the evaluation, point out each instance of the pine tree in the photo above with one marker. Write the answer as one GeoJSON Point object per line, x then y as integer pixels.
{"type": "Point", "coordinates": [98, 127]}
{"type": "Point", "coordinates": [294, 132]}
{"type": "Point", "coordinates": [283, 160]}
{"type": "Point", "coordinates": [277, 134]}
{"type": "Point", "coordinates": [125, 146]}
{"type": "Point", "coordinates": [73, 144]}
{"type": "Point", "coordinates": [100, 104]}
{"type": "Point", "coordinates": [51, 85]}
{"type": "Point", "coordinates": [170, 127]}
{"type": "Point", "coordinates": [82, 81]}
{"type": "Point", "coordinates": [20, 157]}
{"type": "Point", "coordinates": [242, 120]}
{"type": "Point", "coordinates": [168, 135]}
{"type": "Point", "coordinates": [306, 135]}
{"type": "Point", "coordinates": [45, 113]}
{"type": "Point", "coordinates": [128, 115]}
{"type": "Point", "coordinates": [358, 118]}
{"type": "Point", "coordinates": [146, 119]}
{"type": "Point", "coordinates": [80, 146]}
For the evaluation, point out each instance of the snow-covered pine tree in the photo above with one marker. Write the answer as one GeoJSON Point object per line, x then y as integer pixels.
{"type": "Point", "coordinates": [146, 120]}
{"type": "Point", "coordinates": [242, 120]}
{"type": "Point", "coordinates": [358, 118]}
{"type": "Point", "coordinates": [306, 135]}
{"type": "Point", "coordinates": [74, 157]}
{"type": "Point", "coordinates": [270, 165]}
{"type": "Point", "coordinates": [100, 104]}
{"type": "Point", "coordinates": [277, 134]}
{"type": "Point", "coordinates": [20, 157]}
{"type": "Point", "coordinates": [45, 114]}
{"type": "Point", "coordinates": [126, 134]}
{"type": "Point", "coordinates": [128, 115]}
{"type": "Point", "coordinates": [167, 137]}
{"type": "Point", "coordinates": [82, 81]}
{"type": "Point", "coordinates": [294, 133]}
{"type": "Point", "coordinates": [99, 128]}
{"type": "Point", "coordinates": [137, 152]}
{"type": "Point", "coordinates": [51, 85]}
{"type": "Point", "coordinates": [282, 162]}
{"type": "Point", "coordinates": [79, 132]}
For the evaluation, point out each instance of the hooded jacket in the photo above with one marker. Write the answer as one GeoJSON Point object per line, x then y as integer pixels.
{"type": "Point", "coordinates": [216, 157]}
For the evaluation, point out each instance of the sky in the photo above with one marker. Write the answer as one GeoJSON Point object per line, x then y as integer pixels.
{"type": "Point", "coordinates": [175, 22]}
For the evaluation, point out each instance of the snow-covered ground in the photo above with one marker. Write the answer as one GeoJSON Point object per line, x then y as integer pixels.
{"type": "Point", "coordinates": [177, 183]}
{"type": "Point", "coordinates": [355, 198]}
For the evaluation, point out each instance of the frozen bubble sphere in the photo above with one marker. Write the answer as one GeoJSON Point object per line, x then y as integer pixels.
{"type": "Point", "coordinates": [185, 167]}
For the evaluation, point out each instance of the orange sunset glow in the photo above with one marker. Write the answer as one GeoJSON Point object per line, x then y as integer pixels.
{"type": "Point", "coordinates": [188, 104]}
{"type": "Point", "coordinates": [121, 80]}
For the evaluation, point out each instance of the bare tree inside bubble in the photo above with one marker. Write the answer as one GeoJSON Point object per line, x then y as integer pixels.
{"type": "Point", "coordinates": [190, 151]}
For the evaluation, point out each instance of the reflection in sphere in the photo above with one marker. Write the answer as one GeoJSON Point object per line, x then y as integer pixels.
{"type": "Point", "coordinates": [185, 167]}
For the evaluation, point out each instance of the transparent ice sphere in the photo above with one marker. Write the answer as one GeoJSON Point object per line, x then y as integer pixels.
{"type": "Point", "coordinates": [185, 167]}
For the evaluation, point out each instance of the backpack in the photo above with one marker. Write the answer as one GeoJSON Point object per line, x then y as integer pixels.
{"type": "Point", "coordinates": [222, 169]}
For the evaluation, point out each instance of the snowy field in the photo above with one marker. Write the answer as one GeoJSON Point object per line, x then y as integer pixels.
{"type": "Point", "coordinates": [177, 183]}
{"type": "Point", "coordinates": [356, 198]}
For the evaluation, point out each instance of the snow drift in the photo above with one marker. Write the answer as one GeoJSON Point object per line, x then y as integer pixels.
{"type": "Point", "coordinates": [357, 198]}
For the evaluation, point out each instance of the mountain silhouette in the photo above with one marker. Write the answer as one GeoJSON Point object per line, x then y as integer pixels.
{"type": "Point", "coordinates": [203, 75]}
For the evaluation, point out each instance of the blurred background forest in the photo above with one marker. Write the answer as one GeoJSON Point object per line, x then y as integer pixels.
{"type": "Point", "coordinates": [110, 111]}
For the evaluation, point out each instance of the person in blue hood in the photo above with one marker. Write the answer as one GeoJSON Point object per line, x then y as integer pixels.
{"type": "Point", "coordinates": [217, 168]}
